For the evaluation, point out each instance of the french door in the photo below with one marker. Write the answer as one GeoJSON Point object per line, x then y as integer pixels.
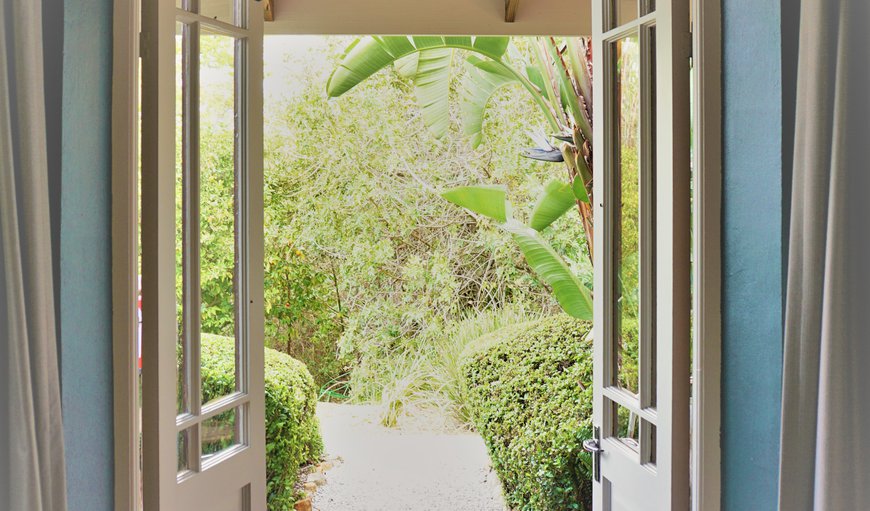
{"type": "Point", "coordinates": [202, 208]}
{"type": "Point", "coordinates": [642, 268]}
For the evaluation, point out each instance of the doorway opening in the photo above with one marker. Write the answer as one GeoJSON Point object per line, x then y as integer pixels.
{"type": "Point", "coordinates": [401, 281]}
{"type": "Point", "coordinates": [389, 297]}
{"type": "Point", "coordinates": [401, 405]}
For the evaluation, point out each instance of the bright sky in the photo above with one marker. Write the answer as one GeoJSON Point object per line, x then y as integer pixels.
{"type": "Point", "coordinates": [286, 58]}
{"type": "Point", "coordinates": [290, 63]}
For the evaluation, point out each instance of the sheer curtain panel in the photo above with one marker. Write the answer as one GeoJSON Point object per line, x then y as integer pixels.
{"type": "Point", "coordinates": [31, 453]}
{"type": "Point", "coordinates": [825, 456]}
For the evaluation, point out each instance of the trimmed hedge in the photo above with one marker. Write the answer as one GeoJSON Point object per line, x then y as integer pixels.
{"type": "Point", "coordinates": [292, 430]}
{"type": "Point", "coordinates": [530, 393]}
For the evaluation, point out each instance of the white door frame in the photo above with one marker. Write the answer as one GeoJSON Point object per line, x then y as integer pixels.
{"type": "Point", "coordinates": [125, 243]}
{"type": "Point", "coordinates": [707, 158]}
{"type": "Point", "coordinates": [707, 253]}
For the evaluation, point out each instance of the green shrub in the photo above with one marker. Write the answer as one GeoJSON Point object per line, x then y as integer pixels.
{"type": "Point", "coordinates": [292, 431]}
{"type": "Point", "coordinates": [448, 347]}
{"type": "Point", "coordinates": [530, 393]}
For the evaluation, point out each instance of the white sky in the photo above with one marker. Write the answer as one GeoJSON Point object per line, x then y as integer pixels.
{"type": "Point", "coordinates": [290, 63]}
{"type": "Point", "coordinates": [286, 58]}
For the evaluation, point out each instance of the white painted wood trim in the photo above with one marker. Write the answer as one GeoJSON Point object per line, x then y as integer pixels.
{"type": "Point", "coordinates": [255, 230]}
{"type": "Point", "coordinates": [601, 193]}
{"type": "Point", "coordinates": [673, 246]}
{"type": "Point", "coordinates": [125, 134]}
{"type": "Point", "coordinates": [707, 307]}
{"type": "Point", "coordinates": [158, 255]}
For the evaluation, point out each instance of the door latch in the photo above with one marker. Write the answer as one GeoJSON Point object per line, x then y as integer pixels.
{"type": "Point", "coordinates": [593, 446]}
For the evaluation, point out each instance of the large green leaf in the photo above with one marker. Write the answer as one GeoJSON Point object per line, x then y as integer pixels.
{"type": "Point", "coordinates": [428, 41]}
{"type": "Point", "coordinates": [580, 189]}
{"type": "Point", "coordinates": [480, 82]}
{"type": "Point", "coordinates": [368, 55]}
{"type": "Point", "coordinates": [580, 72]}
{"type": "Point", "coordinates": [432, 83]}
{"type": "Point", "coordinates": [487, 200]}
{"type": "Point", "coordinates": [458, 41]}
{"type": "Point", "coordinates": [493, 47]}
{"type": "Point", "coordinates": [558, 197]}
{"type": "Point", "coordinates": [491, 201]}
{"type": "Point", "coordinates": [491, 66]}
{"type": "Point", "coordinates": [568, 95]}
{"type": "Point", "coordinates": [397, 45]}
{"type": "Point", "coordinates": [535, 77]}
{"type": "Point", "coordinates": [407, 65]}
{"type": "Point", "coordinates": [365, 57]}
{"type": "Point", "coordinates": [571, 294]}
{"type": "Point", "coordinates": [425, 58]}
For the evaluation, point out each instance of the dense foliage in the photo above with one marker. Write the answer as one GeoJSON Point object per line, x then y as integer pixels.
{"type": "Point", "coordinates": [555, 72]}
{"type": "Point", "coordinates": [378, 284]}
{"type": "Point", "coordinates": [367, 268]}
{"type": "Point", "coordinates": [292, 431]}
{"type": "Point", "coordinates": [492, 63]}
{"type": "Point", "coordinates": [530, 395]}
{"type": "Point", "coordinates": [366, 264]}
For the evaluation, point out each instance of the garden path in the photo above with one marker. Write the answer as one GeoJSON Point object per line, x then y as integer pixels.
{"type": "Point", "coordinates": [407, 469]}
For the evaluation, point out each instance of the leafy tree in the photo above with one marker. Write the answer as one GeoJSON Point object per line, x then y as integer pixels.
{"type": "Point", "coordinates": [366, 265]}
{"type": "Point", "coordinates": [558, 77]}
{"type": "Point", "coordinates": [353, 185]}
{"type": "Point", "coordinates": [559, 83]}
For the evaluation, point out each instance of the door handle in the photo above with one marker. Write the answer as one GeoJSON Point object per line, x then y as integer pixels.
{"type": "Point", "coordinates": [593, 446]}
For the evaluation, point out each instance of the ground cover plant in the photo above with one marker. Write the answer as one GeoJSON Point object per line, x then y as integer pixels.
{"type": "Point", "coordinates": [530, 396]}
{"type": "Point", "coordinates": [429, 383]}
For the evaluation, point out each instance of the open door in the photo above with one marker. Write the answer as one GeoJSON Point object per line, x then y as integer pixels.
{"type": "Point", "coordinates": [201, 451]}
{"type": "Point", "coordinates": [642, 265]}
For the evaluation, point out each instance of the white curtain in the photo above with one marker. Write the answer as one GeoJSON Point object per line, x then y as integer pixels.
{"type": "Point", "coordinates": [825, 460]}
{"type": "Point", "coordinates": [32, 454]}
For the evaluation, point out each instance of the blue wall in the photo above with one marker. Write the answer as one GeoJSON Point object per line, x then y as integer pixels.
{"type": "Point", "coordinates": [753, 250]}
{"type": "Point", "coordinates": [85, 254]}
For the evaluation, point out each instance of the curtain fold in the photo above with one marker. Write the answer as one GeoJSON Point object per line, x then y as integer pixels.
{"type": "Point", "coordinates": [825, 439]}
{"type": "Point", "coordinates": [33, 449]}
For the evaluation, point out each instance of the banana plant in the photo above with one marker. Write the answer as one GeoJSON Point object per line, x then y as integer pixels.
{"type": "Point", "coordinates": [427, 59]}
{"type": "Point", "coordinates": [558, 77]}
{"type": "Point", "coordinates": [558, 197]}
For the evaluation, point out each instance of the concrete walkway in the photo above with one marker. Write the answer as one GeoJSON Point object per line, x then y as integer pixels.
{"type": "Point", "coordinates": [381, 469]}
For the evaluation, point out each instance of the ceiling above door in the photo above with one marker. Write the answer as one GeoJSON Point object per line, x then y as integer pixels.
{"type": "Point", "coordinates": [421, 17]}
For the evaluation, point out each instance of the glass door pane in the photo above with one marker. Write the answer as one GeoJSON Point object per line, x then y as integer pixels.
{"type": "Point", "coordinates": [203, 396]}
{"type": "Point", "coordinates": [220, 181]}
{"type": "Point", "coordinates": [182, 87]}
{"type": "Point", "coordinates": [622, 12]}
{"type": "Point", "coordinates": [626, 226]}
{"type": "Point", "coordinates": [210, 243]}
